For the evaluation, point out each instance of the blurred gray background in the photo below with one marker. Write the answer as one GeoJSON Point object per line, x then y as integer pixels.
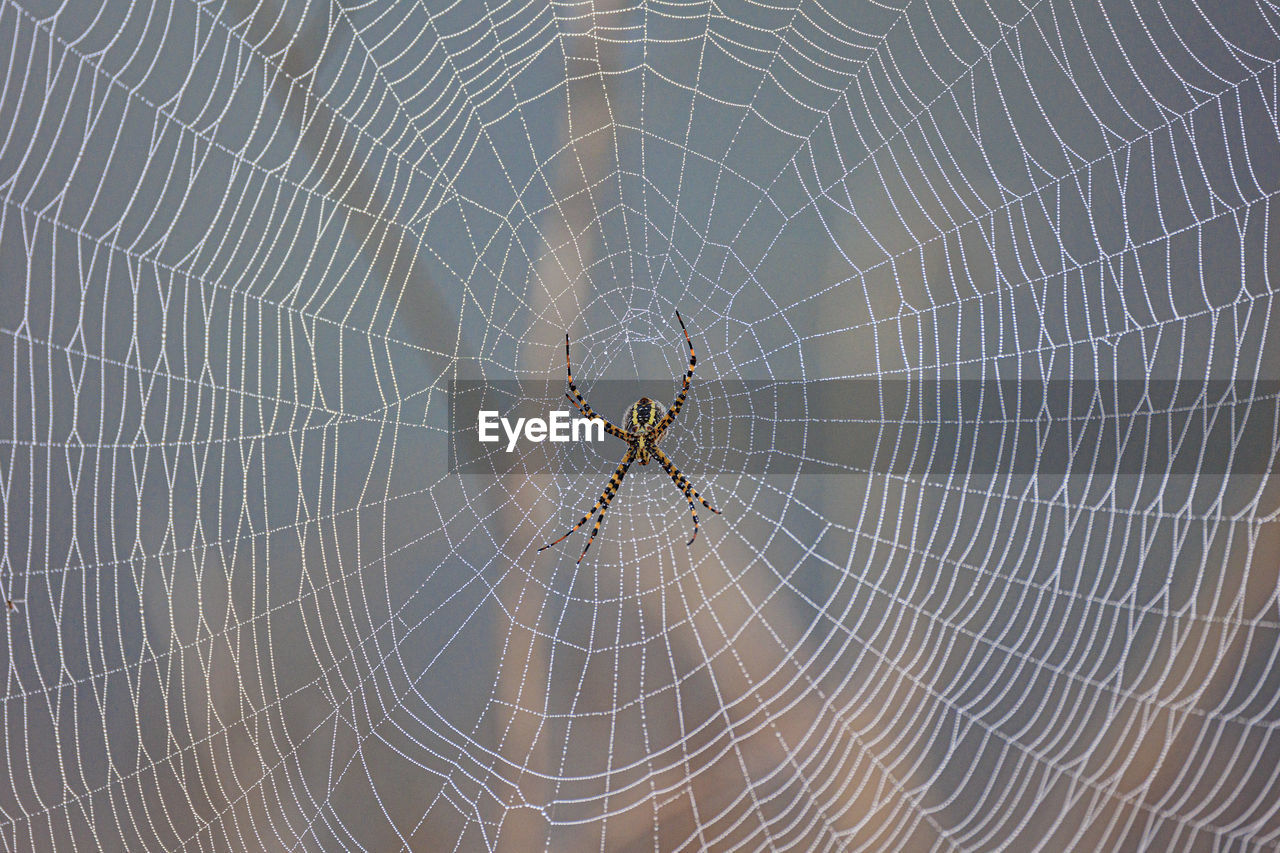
{"type": "Point", "coordinates": [245, 249]}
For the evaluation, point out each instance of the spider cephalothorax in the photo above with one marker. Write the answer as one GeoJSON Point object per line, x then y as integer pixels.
{"type": "Point", "coordinates": [646, 421]}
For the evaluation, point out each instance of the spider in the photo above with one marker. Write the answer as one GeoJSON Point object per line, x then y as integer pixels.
{"type": "Point", "coordinates": [647, 421]}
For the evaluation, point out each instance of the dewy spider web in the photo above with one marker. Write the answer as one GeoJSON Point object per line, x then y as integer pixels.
{"type": "Point", "coordinates": [246, 249]}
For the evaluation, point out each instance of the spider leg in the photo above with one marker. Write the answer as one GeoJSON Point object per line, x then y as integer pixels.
{"type": "Point", "coordinates": [581, 402]}
{"type": "Point", "coordinates": [602, 504]}
{"type": "Point", "coordinates": [678, 402]}
{"type": "Point", "coordinates": [683, 484]}
{"type": "Point", "coordinates": [589, 413]}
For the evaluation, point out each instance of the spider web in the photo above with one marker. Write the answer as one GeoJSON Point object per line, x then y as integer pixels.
{"type": "Point", "coordinates": [246, 249]}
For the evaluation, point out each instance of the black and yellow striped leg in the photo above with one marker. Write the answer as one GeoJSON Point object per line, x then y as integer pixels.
{"type": "Point", "coordinates": [581, 402]}
{"type": "Point", "coordinates": [678, 402]}
{"type": "Point", "coordinates": [589, 413]}
{"type": "Point", "coordinates": [683, 484]}
{"type": "Point", "coordinates": [602, 504]}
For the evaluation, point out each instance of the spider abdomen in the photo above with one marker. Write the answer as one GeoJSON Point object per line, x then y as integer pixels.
{"type": "Point", "coordinates": [644, 415]}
